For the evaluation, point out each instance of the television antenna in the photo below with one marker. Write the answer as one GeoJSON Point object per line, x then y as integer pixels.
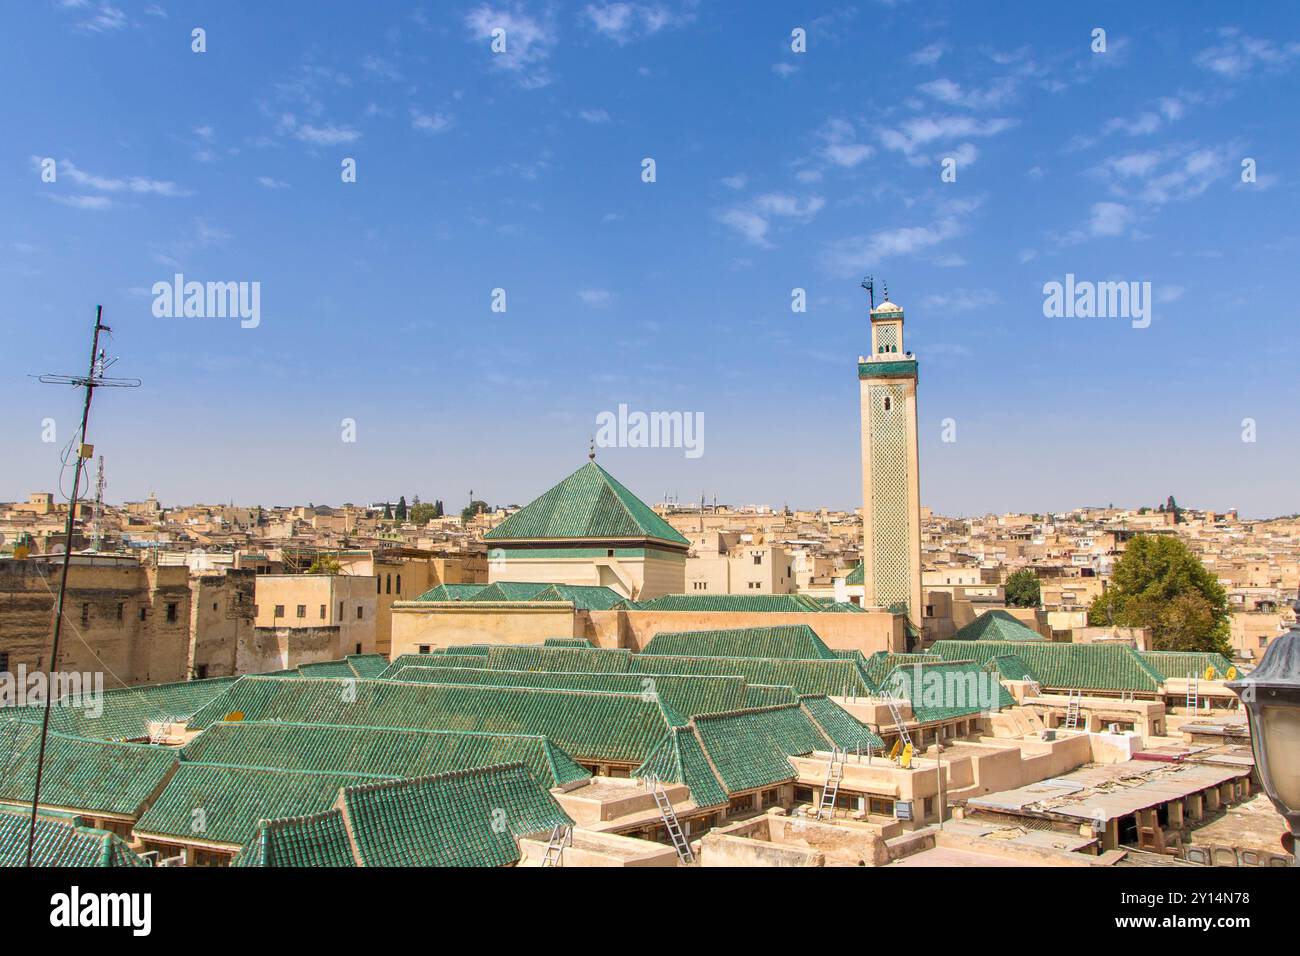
{"type": "Point", "coordinates": [93, 379]}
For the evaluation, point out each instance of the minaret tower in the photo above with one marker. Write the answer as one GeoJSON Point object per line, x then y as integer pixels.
{"type": "Point", "coordinates": [891, 491]}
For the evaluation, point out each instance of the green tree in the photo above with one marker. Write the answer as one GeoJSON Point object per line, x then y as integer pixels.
{"type": "Point", "coordinates": [1022, 589]}
{"type": "Point", "coordinates": [324, 564]}
{"type": "Point", "coordinates": [475, 507]}
{"type": "Point", "coordinates": [437, 509]}
{"type": "Point", "coordinates": [1161, 585]}
{"type": "Point", "coordinates": [401, 509]}
{"type": "Point", "coordinates": [388, 512]}
{"type": "Point", "coordinates": [421, 513]}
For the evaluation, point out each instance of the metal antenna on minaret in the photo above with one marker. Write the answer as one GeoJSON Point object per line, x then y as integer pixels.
{"type": "Point", "coordinates": [93, 379]}
{"type": "Point", "coordinates": [869, 283]}
{"type": "Point", "coordinates": [97, 519]}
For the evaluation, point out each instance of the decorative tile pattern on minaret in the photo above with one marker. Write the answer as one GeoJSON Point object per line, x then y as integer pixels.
{"type": "Point", "coordinates": [891, 512]}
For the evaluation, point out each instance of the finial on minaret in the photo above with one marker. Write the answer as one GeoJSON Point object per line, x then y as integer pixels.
{"type": "Point", "coordinates": [591, 449]}
{"type": "Point", "coordinates": [885, 285]}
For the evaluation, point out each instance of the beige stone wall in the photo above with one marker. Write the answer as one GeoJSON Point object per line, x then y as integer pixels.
{"type": "Point", "coordinates": [221, 616]}
{"type": "Point", "coordinates": [326, 600]}
{"type": "Point", "coordinates": [129, 622]}
{"type": "Point", "coordinates": [868, 632]}
{"type": "Point", "coordinates": [279, 648]}
{"type": "Point", "coordinates": [448, 624]}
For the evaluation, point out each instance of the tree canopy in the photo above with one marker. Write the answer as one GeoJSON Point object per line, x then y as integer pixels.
{"type": "Point", "coordinates": [1022, 589]}
{"type": "Point", "coordinates": [1160, 584]}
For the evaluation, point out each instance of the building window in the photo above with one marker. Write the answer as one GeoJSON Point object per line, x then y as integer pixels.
{"type": "Point", "coordinates": [302, 610]}
{"type": "Point", "coordinates": [121, 610]}
{"type": "Point", "coordinates": [1263, 642]}
{"type": "Point", "coordinates": [171, 612]}
{"type": "Point", "coordinates": [214, 607]}
{"type": "Point", "coordinates": [379, 585]}
{"type": "Point", "coordinates": [85, 614]}
{"type": "Point", "coordinates": [200, 671]}
{"type": "Point", "coordinates": [358, 612]}
{"type": "Point", "coordinates": [279, 610]}
{"type": "Point", "coordinates": [399, 585]}
{"type": "Point", "coordinates": [340, 612]}
{"type": "Point", "coordinates": [4, 662]}
{"type": "Point", "coordinates": [424, 648]}
{"type": "Point", "coordinates": [758, 559]}
{"type": "Point", "coordinates": [388, 584]}
{"type": "Point", "coordinates": [609, 553]}
{"type": "Point", "coordinates": [888, 403]}
{"type": "Point", "coordinates": [322, 612]}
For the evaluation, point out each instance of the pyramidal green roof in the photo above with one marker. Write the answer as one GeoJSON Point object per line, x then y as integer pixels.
{"type": "Point", "coordinates": [589, 503]}
{"type": "Point", "coordinates": [996, 625]}
{"type": "Point", "coordinates": [783, 642]}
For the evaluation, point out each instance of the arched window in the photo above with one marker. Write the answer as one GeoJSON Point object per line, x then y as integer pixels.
{"type": "Point", "coordinates": [399, 584]}
{"type": "Point", "coordinates": [388, 584]}
{"type": "Point", "coordinates": [379, 584]}
{"type": "Point", "coordinates": [887, 403]}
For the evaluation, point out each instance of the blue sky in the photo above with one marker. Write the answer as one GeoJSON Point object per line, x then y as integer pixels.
{"type": "Point", "coordinates": [775, 170]}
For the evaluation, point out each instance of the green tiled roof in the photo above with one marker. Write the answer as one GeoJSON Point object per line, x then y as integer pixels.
{"type": "Point", "coordinates": [60, 841]}
{"type": "Point", "coordinates": [88, 775]}
{"type": "Point", "coordinates": [787, 642]}
{"type": "Point", "coordinates": [467, 818]}
{"type": "Point", "coordinates": [947, 689]}
{"type": "Point", "coordinates": [478, 651]}
{"type": "Point", "coordinates": [128, 711]}
{"type": "Point", "coordinates": [686, 694]}
{"type": "Point", "coordinates": [451, 592]}
{"type": "Point", "coordinates": [879, 664]}
{"type": "Point", "coordinates": [587, 725]}
{"type": "Point", "coordinates": [766, 695]}
{"type": "Point", "coordinates": [1107, 667]}
{"type": "Point", "coordinates": [383, 751]}
{"type": "Point", "coordinates": [784, 603]}
{"type": "Point", "coordinates": [748, 748]}
{"type": "Point", "coordinates": [1179, 664]}
{"type": "Point", "coordinates": [316, 840]}
{"type": "Point", "coordinates": [844, 730]}
{"type": "Point", "coordinates": [207, 802]}
{"type": "Point", "coordinates": [996, 625]}
{"type": "Point", "coordinates": [368, 665]}
{"type": "Point", "coordinates": [588, 504]}
{"type": "Point", "coordinates": [1011, 667]}
{"type": "Point", "coordinates": [679, 758]}
{"type": "Point", "coordinates": [326, 669]}
{"type": "Point", "coordinates": [858, 575]}
{"type": "Point", "coordinates": [585, 597]}
{"type": "Point", "coordinates": [567, 642]}
{"type": "Point", "coordinates": [902, 367]}
{"type": "Point", "coordinates": [535, 657]}
{"type": "Point", "coordinates": [839, 676]}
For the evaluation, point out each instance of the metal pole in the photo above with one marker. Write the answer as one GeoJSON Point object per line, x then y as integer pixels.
{"type": "Point", "coordinates": [63, 583]}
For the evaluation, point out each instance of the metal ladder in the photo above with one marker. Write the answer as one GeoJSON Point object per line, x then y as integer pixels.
{"type": "Point", "coordinates": [560, 837]}
{"type": "Point", "coordinates": [1072, 710]}
{"type": "Point", "coordinates": [831, 786]}
{"type": "Point", "coordinates": [891, 703]}
{"type": "Point", "coordinates": [669, 815]}
{"type": "Point", "coordinates": [1193, 693]}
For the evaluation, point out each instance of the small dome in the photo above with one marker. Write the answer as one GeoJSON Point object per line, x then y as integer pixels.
{"type": "Point", "coordinates": [888, 306]}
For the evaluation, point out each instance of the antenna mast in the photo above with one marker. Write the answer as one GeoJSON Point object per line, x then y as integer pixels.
{"type": "Point", "coordinates": [97, 522]}
{"type": "Point", "coordinates": [94, 378]}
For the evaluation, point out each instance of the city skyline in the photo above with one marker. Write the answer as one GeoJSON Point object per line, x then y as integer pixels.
{"type": "Point", "coordinates": [524, 172]}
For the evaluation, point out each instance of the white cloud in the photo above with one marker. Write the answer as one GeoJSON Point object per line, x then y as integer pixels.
{"type": "Point", "coordinates": [271, 183]}
{"type": "Point", "coordinates": [1171, 174]}
{"type": "Point", "coordinates": [596, 297]}
{"type": "Point", "coordinates": [105, 19]}
{"type": "Point", "coordinates": [624, 22]}
{"type": "Point", "coordinates": [737, 181]}
{"type": "Point", "coordinates": [998, 93]}
{"type": "Point", "coordinates": [379, 66]}
{"type": "Point", "coordinates": [857, 254]}
{"type": "Point", "coordinates": [429, 122]}
{"type": "Point", "coordinates": [594, 116]}
{"type": "Point", "coordinates": [1239, 55]}
{"type": "Point", "coordinates": [97, 203]}
{"type": "Point", "coordinates": [325, 134]}
{"type": "Point", "coordinates": [929, 54]}
{"type": "Point", "coordinates": [529, 41]}
{"type": "Point", "coordinates": [1109, 219]}
{"type": "Point", "coordinates": [784, 70]}
{"type": "Point", "coordinates": [842, 148]}
{"type": "Point", "coordinates": [959, 300]}
{"type": "Point", "coordinates": [1169, 293]}
{"type": "Point", "coordinates": [753, 220]}
{"type": "Point", "coordinates": [110, 184]}
{"type": "Point", "coordinates": [921, 131]}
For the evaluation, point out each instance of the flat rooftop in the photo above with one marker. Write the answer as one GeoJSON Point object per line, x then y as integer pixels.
{"type": "Point", "coordinates": [1109, 791]}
